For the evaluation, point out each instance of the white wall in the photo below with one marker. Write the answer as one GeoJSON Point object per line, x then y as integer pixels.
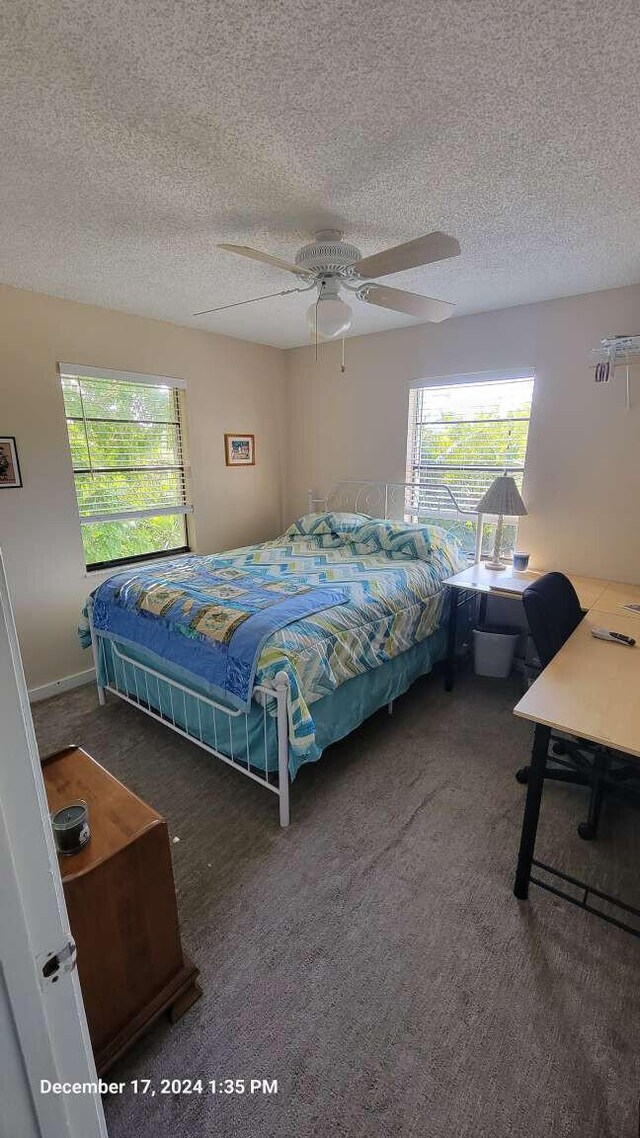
{"type": "Point", "coordinates": [582, 484]}
{"type": "Point", "coordinates": [231, 386]}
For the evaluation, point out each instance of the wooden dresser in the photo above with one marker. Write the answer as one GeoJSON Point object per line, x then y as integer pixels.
{"type": "Point", "coordinates": [121, 901]}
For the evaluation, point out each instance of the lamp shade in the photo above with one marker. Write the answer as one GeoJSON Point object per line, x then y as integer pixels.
{"type": "Point", "coordinates": [502, 497]}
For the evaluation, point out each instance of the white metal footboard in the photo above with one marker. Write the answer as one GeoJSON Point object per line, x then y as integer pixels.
{"type": "Point", "coordinates": [146, 686]}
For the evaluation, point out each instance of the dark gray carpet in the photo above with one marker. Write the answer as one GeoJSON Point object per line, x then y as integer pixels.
{"type": "Point", "coordinates": [373, 958]}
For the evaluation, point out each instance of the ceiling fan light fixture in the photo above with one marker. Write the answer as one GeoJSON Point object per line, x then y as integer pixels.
{"type": "Point", "coordinates": [334, 317]}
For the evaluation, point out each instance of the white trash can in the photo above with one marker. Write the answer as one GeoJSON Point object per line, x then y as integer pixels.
{"type": "Point", "coordinates": [493, 650]}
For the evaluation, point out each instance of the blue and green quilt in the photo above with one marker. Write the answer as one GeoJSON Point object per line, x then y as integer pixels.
{"type": "Point", "coordinates": [375, 603]}
{"type": "Point", "coordinates": [210, 619]}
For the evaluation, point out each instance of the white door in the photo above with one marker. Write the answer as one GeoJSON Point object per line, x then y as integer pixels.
{"type": "Point", "coordinates": [43, 1029]}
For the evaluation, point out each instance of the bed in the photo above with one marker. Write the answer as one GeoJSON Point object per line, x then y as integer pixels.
{"type": "Point", "coordinates": [266, 655]}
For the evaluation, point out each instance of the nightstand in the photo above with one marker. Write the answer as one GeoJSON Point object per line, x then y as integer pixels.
{"type": "Point", "coordinates": [510, 585]}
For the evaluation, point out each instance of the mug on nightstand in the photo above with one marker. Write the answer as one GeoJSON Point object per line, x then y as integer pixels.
{"type": "Point", "coordinates": [520, 562]}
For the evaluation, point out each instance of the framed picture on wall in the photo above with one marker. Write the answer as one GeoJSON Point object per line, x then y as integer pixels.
{"type": "Point", "coordinates": [9, 465]}
{"type": "Point", "coordinates": [240, 450]}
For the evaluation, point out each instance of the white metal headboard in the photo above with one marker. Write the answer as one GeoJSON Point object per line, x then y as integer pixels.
{"type": "Point", "coordinates": [389, 499]}
{"type": "Point", "coordinates": [405, 501]}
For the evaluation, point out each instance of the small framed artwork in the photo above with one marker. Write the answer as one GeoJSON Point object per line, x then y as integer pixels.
{"type": "Point", "coordinates": [9, 465]}
{"type": "Point", "coordinates": [240, 450]}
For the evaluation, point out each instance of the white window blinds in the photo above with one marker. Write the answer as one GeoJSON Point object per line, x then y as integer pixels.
{"type": "Point", "coordinates": [126, 440]}
{"type": "Point", "coordinates": [461, 436]}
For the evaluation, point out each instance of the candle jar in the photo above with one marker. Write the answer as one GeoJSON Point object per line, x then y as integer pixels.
{"type": "Point", "coordinates": [520, 562]}
{"type": "Point", "coordinates": [71, 827]}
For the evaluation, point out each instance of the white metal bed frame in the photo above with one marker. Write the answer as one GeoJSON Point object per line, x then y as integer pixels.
{"type": "Point", "coordinates": [381, 499]}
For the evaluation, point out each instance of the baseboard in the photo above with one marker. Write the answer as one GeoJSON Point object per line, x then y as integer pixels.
{"type": "Point", "coordinates": [45, 691]}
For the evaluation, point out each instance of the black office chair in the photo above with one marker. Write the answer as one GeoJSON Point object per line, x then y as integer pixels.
{"type": "Point", "coordinates": [553, 612]}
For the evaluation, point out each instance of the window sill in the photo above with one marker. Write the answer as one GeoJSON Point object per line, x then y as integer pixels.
{"type": "Point", "coordinates": [110, 570]}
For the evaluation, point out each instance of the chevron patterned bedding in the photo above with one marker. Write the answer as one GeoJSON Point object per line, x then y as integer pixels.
{"type": "Point", "coordinates": [392, 605]}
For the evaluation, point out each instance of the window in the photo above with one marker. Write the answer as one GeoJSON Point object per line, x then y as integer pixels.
{"type": "Point", "coordinates": [126, 439]}
{"type": "Point", "coordinates": [461, 437]}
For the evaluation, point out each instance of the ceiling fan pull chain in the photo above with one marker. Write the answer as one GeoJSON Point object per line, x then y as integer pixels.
{"type": "Point", "coordinates": [342, 363]}
{"type": "Point", "coordinates": [320, 291]}
{"type": "Point", "coordinates": [266, 296]}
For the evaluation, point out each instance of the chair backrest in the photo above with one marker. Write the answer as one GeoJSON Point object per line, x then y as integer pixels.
{"type": "Point", "coordinates": [553, 611]}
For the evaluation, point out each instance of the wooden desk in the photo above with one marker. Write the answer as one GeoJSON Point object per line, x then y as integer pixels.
{"type": "Point", "coordinates": [615, 596]}
{"type": "Point", "coordinates": [593, 592]}
{"type": "Point", "coordinates": [590, 689]}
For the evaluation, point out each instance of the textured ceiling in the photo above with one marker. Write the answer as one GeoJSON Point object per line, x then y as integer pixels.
{"type": "Point", "coordinates": [138, 135]}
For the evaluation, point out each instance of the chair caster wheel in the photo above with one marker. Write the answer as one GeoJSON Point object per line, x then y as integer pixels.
{"type": "Point", "coordinates": [522, 775]}
{"type": "Point", "coordinates": [586, 831]}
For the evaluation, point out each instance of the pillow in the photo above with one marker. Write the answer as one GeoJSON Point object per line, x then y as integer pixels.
{"type": "Point", "coordinates": [397, 539]}
{"type": "Point", "coordinates": [312, 541]}
{"type": "Point", "coordinates": [446, 552]}
{"type": "Point", "coordinates": [312, 525]}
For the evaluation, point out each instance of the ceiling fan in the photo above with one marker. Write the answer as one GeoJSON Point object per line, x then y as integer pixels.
{"type": "Point", "coordinates": [330, 265]}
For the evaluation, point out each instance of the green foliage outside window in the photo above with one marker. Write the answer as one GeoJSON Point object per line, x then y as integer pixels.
{"type": "Point", "coordinates": [126, 448]}
{"type": "Point", "coordinates": [463, 436]}
{"type": "Point", "coordinates": [116, 541]}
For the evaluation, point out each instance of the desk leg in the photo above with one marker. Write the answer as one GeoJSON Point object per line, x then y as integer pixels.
{"type": "Point", "coordinates": [450, 665]}
{"type": "Point", "coordinates": [532, 810]}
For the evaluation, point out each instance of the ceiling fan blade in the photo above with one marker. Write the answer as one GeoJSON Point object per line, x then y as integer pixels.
{"type": "Point", "coordinates": [266, 258]}
{"type": "Point", "coordinates": [422, 251]}
{"type": "Point", "coordinates": [397, 299]}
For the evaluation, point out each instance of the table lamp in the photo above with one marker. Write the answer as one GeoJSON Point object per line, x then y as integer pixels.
{"type": "Point", "coordinates": [502, 497]}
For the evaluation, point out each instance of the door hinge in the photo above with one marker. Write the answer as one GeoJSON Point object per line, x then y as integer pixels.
{"type": "Point", "coordinates": [64, 960]}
